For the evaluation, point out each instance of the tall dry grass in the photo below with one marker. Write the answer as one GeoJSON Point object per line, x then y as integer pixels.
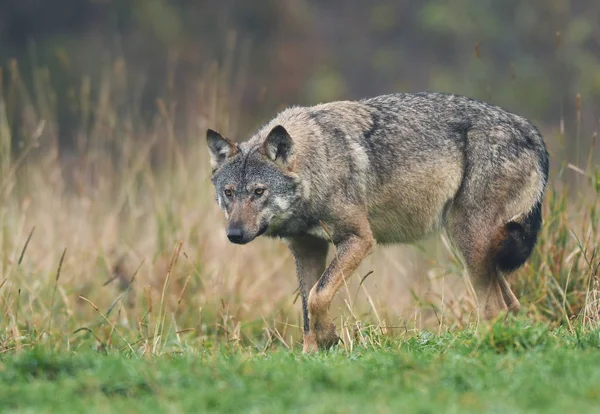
{"type": "Point", "coordinates": [118, 241]}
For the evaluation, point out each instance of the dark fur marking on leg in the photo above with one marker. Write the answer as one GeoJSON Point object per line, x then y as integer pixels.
{"type": "Point", "coordinates": [322, 283]}
{"type": "Point", "coordinates": [305, 313]}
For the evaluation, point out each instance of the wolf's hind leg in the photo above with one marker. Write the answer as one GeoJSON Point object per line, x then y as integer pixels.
{"type": "Point", "coordinates": [310, 255]}
{"type": "Point", "coordinates": [472, 239]}
{"type": "Point", "coordinates": [352, 247]}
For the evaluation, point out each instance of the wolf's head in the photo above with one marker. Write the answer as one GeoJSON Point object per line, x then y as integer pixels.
{"type": "Point", "coordinates": [255, 185]}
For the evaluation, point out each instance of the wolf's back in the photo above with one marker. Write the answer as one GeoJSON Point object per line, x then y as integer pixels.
{"type": "Point", "coordinates": [505, 162]}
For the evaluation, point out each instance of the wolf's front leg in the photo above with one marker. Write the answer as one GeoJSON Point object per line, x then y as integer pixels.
{"type": "Point", "coordinates": [350, 251]}
{"type": "Point", "coordinates": [310, 254]}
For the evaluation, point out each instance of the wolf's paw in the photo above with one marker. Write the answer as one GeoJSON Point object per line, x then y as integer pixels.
{"type": "Point", "coordinates": [321, 336]}
{"type": "Point", "coordinates": [320, 339]}
{"type": "Point", "coordinates": [327, 337]}
{"type": "Point", "coordinates": [310, 344]}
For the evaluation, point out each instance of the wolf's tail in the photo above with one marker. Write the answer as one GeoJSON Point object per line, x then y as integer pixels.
{"type": "Point", "coordinates": [515, 241]}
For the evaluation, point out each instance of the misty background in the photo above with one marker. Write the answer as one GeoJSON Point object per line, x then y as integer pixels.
{"type": "Point", "coordinates": [532, 57]}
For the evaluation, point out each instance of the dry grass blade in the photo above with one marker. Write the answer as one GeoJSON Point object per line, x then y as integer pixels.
{"type": "Point", "coordinates": [115, 302]}
{"type": "Point", "coordinates": [25, 246]}
{"type": "Point", "coordinates": [162, 311]}
{"type": "Point", "coordinates": [90, 302]}
{"type": "Point", "coordinates": [84, 329]}
{"type": "Point", "coordinates": [123, 294]}
{"type": "Point", "coordinates": [187, 280]}
{"type": "Point", "coordinates": [578, 170]}
{"type": "Point", "coordinates": [112, 324]}
{"type": "Point", "coordinates": [362, 280]}
{"type": "Point", "coordinates": [369, 273]}
{"type": "Point", "coordinates": [56, 278]}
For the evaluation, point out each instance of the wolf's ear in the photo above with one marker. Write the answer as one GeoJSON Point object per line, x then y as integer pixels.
{"type": "Point", "coordinates": [279, 146]}
{"type": "Point", "coordinates": [220, 148]}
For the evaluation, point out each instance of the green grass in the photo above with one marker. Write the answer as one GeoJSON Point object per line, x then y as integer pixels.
{"type": "Point", "coordinates": [504, 368]}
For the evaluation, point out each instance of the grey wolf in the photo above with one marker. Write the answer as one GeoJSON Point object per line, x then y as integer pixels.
{"type": "Point", "coordinates": [390, 169]}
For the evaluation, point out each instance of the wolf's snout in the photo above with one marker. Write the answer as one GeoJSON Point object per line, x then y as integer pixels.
{"type": "Point", "coordinates": [235, 235]}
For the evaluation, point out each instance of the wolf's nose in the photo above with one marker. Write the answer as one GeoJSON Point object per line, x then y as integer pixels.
{"type": "Point", "coordinates": [235, 235]}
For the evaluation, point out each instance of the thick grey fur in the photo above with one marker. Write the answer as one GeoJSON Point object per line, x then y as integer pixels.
{"type": "Point", "coordinates": [393, 169]}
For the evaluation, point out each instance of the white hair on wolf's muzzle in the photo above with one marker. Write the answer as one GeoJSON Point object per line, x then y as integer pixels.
{"type": "Point", "coordinates": [265, 213]}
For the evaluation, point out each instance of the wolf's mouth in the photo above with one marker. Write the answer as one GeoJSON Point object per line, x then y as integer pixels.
{"type": "Point", "coordinates": [238, 237]}
{"type": "Point", "coordinates": [262, 230]}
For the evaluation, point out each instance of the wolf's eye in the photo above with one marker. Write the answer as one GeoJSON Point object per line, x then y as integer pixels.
{"type": "Point", "coordinates": [259, 191]}
{"type": "Point", "coordinates": [228, 192]}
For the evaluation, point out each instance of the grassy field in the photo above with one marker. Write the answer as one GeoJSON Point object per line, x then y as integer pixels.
{"type": "Point", "coordinates": [512, 367]}
{"type": "Point", "coordinates": [120, 291]}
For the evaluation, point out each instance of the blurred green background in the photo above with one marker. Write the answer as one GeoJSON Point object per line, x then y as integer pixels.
{"type": "Point", "coordinates": [532, 57]}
